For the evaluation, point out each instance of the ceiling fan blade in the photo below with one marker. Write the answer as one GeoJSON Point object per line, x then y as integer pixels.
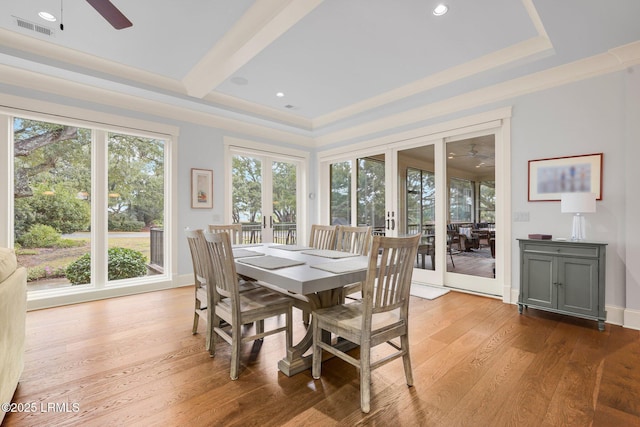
{"type": "Point", "coordinates": [111, 13]}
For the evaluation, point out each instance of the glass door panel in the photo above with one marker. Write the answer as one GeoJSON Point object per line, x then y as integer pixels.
{"type": "Point", "coordinates": [247, 196]}
{"type": "Point", "coordinates": [416, 195]}
{"type": "Point", "coordinates": [340, 193]}
{"type": "Point", "coordinates": [371, 194]}
{"type": "Point", "coordinates": [471, 213]}
{"type": "Point", "coordinates": [284, 202]}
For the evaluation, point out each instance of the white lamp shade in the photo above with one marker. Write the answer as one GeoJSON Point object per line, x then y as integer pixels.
{"type": "Point", "coordinates": [578, 202]}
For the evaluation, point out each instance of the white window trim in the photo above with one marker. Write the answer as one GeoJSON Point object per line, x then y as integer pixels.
{"type": "Point", "coordinates": [12, 106]}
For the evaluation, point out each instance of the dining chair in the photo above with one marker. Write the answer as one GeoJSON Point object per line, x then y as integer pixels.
{"type": "Point", "coordinates": [198, 250]}
{"type": "Point", "coordinates": [234, 230]}
{"type": "Point", "coordinates": [382, 315]}
{"type": "Point", "coordinates": [356, 240]}
{"type": "Point", "coordinates": [235, 233]}
{"type": "Point", "coordinates": [240, 308]}
{"type": "Point", "coordinates": [322, 236]}
{"type": "Point", "coordinates": [202, 276]}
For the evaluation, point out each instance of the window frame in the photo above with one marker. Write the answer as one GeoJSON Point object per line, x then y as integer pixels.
{"type": "Point", "coordinates": [101, 125]}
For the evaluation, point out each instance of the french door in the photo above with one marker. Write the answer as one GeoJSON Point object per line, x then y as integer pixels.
{"type": "Point", "coordinates": [441, 188]}
{"type": "Point", "coordinates": [265, 196]}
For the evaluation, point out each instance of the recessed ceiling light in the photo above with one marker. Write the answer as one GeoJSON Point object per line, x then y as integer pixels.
{"type": "Point", "coordinates": [240, 81]}
{"type": "Point", "coordinates": [47, 16]}
{"type": "Point", "coordinates": [279, 94]}
{"type": "Point", "coordinates": [440, 10]}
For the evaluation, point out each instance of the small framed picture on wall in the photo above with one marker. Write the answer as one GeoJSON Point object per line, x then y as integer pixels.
{"type": "Point", "coordinates": [201, 188]}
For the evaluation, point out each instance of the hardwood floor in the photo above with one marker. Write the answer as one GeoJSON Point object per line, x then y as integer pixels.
{"type": "Point", "coordinates": [476, 361]}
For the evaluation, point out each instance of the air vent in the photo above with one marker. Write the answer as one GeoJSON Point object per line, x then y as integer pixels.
{"type": "Point", "coordinates": [32, 26]}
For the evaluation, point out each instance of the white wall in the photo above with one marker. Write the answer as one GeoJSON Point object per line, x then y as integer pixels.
{"type": "Point", "coordinates": [580, 118]}
{"type": "Point", "coordinates": [632, 183]}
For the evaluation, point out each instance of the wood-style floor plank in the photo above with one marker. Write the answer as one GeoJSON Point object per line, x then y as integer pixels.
{"type": "Point", "coordinates": [476, 361]}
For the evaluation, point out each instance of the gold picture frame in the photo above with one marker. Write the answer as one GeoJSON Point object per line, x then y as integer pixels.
{"type": "Point", "coordinates": [549, 178]}
{"type": "Point", "coordinates": [201, 188]}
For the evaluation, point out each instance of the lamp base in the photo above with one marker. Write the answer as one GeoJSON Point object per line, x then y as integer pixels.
{"type": "Point", "coordinates": [578, 230]}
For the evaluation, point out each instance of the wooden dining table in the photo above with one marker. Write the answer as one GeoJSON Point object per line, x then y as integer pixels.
{"type": "Point", "coordinates": [316, 281]}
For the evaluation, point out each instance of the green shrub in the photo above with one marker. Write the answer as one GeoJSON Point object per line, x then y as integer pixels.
{"type": "Point", "coordinates": [40, 236]}
{"type": "Point", "coordinates": [125, 225]}
{"type": "Point", "coordinates": [79, 271]}
{"type": "Point", "coordinates": [123, 264]}
{"type": "Point", "coordinates": [61, 210]}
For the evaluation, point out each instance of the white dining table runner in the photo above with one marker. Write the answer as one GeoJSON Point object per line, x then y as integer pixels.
{"type": "Point", "coordinates": [270, 262]}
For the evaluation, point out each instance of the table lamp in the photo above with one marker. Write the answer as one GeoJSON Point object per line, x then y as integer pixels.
{"type": "Point", "coordinates": [578, 204]}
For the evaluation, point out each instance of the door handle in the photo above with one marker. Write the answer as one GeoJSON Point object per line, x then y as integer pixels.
{"type": "Point", "coordinates": [270, 222]}
{"type": "Point", "coordinates": [264, 222]}
{"type": "Point", "coordinates": [393, 224]}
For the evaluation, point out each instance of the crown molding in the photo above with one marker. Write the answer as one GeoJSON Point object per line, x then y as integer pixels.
{"type": "Point", "coordinates": [50, 50]}
{"type": "Point", "coordinates": [500, 58]}
{"type": "Point", "coordinates": [614, 60]}
{"type": "Point", "coordinates": [81, 91]}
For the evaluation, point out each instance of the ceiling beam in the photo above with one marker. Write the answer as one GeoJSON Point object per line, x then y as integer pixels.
{"type": "Point", "coordinates": [260, 26]}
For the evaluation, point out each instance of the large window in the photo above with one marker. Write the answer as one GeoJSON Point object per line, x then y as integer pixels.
{"type": "Point", "coordinates": [421, 201]}
{"type": "Point", "coordinates": [52, 200]}
{"type": "Point", "coordinates": [89, 206]}
{"type": "Point", "coordinates": [487, 205]}
{"type": "Point", "coordinates": [460, 200]}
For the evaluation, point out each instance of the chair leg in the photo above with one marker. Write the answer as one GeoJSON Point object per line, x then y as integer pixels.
{"type": "Point", "coordinates": [406, 359]}
{"type": "Point", "coordinates": [236, 341]}
{"type": "Point", "coordinates": [212, 335]}
{"type": "Point", "coordinates": [196, 319]}
{"type": "Point", "coordinates": [209, 339]}
{"type": "Point", "coordinates": [365, 379]}
{"type": "Point", "coordinates": [260, 326]}
{"type": "Point", "coordinates": [316, 364]}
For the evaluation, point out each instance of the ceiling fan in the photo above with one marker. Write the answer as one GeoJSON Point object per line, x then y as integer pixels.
{"type": "Point", "coordinates": [111, 13]}
{"type": "Point", "coordinates": [483, 160]}
{"type": "Point", "coordinates": [471, 153]}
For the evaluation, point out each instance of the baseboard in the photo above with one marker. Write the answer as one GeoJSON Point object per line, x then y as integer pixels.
{"type": "Point", "coordinates": [631, 319]}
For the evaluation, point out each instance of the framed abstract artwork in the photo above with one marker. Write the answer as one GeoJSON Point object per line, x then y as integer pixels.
{"type": "Point", "coordinates": [549, 178]}
{"type": "Point", "coordinates": [201, 188]}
